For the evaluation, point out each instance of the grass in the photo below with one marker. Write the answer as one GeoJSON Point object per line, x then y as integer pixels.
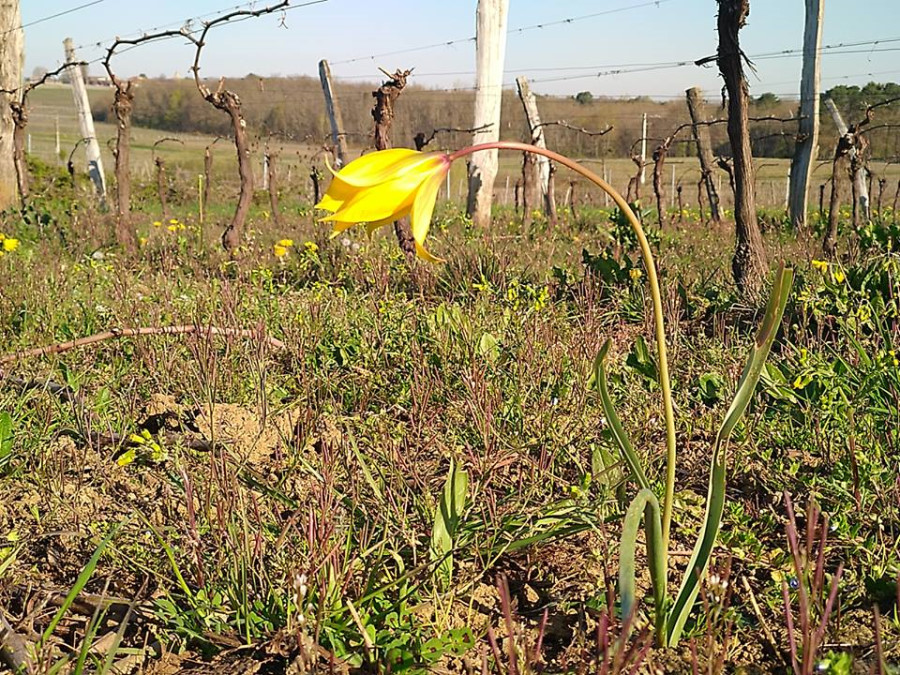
{"type": "Point", "coordinates": [327, 524]}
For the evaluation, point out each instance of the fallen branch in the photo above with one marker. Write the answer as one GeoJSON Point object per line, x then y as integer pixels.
{"type": "Point", "coordinates": [117, 333]}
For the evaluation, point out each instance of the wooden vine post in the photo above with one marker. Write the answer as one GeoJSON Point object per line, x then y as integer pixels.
{"type": "Point", "coordinates": [383, 114]}
{"type": "Point", "coordinates": [12, 55]}
{"type": "Point", "coordinates": [749, 262]}
{"type": "Point", "coordinates": [808, 131]}
{"type": "Point", "coordinates": [86, 121]}
{"type": "Point", "coordinates": [536, 137]}
{"type": "Point", "coordinates": [335, 119]}
{"type": "Point", "coordinates": [490, 50]}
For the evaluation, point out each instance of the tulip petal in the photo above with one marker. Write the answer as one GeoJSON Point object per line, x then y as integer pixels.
{"type": "Point", "coordinates": [336, 195]}
{"type": "Point", "coordinates": [422, 209]}
{"type": "Point", "coordinates": [425, 255]}
{"type": "Point", "coordinates": [341, 225]}
{"type": "Point", "coordinates": [371, 227]}
{"type": "Point", "coordinates": [376, 167]}
{"type": "Point", "coordinates": [382, 201]}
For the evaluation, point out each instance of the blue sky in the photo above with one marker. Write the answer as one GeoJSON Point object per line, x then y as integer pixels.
{"type": "Point", "coordinates": [559, 59]}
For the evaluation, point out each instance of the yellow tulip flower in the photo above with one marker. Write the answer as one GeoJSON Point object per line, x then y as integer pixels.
{"type": "Point", "coordinates": [384, 186]}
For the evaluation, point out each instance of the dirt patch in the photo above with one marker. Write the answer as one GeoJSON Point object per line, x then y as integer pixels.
{"type": "Point", "coordinates": [250, 437]}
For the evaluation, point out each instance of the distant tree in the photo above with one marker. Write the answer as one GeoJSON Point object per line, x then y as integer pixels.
{"type": "Point", "coordinates": [38, 73]}
{"type": "Point", "coordinates": [584, 97]}
{"type": "Point", "coordinates": [767, 98]}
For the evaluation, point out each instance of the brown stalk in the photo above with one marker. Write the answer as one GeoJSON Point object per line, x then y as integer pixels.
{"type": "Point", "coordinates": [230, 103]}
{"type": "Point", "coordinates": [19, 112]}
{"type": "Point", "coordinates": [748, 265]}
{"type": "Point", "coordinates": [123, 107]}
{"type": "Point", "coordinates": [383, 114]}
{"type": "Point", "coordinates": [117, 333]}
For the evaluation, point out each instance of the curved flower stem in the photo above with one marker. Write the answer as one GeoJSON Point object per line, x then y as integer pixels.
{"type": "Point", "coordinates": [656, 296]}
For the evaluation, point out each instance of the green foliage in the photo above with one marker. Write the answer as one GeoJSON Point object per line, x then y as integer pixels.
{"type": "Point", "coordinates": [584, 97]}
{"type": "Point", "coordinates": [670, 618]}
{"type": "Point", "coordinates": [481, 360]}
{"type": "Point", "coordinates": [6, 440]}
{"type": "Point", "coordinates": [641, 361]}
{"type": "Point", "coordinates": [447, 519]}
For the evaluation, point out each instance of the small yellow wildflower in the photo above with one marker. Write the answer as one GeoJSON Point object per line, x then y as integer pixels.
{"type": "Point", "coordinates": [820, 265]}
{"type": "Point", "coordinates": [311, 247]}
{"type": "Point", "coordinates": [157, 223]}
{"type": "Point", "coordinates": [279, 250]}
{"type": "Point", "coordinates": [286, 243]}
{"type": "Point", "coordinates": [10, 244]}
{"type": "Point", "coordinates": [172, 228]}
{"type": "Point", "coordinates": [173, 221]}
{"type": "Point", "coordinates": [635, 273]}
{"type": "Point", "coordinates": [839, 276]}
{"type": "Point", "coordinates": [802, 381]}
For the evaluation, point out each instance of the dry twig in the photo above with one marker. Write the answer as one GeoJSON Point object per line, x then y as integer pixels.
{"type": "Point", "coordinates": [117, 333]}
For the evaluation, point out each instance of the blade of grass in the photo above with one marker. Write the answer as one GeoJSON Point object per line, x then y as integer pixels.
{"type": "Point", "coordinates": [615, 425]}
{"type": "Point", "coordinates": [110, 659]}
{"type": "Point", "coordinates": [80, 583]}
{"type": "Point", "coordinates": [367, 475]}
{"type": "Point", "coordinates": [644, 505]}
{"type": "Point", "coordinates": [715, 501]}
{"type": "Point", "coordinates": [446, 520]}
{"type": "Point", "coordinates": [90, 634]}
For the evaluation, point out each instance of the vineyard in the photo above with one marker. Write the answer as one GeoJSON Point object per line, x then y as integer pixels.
{"type": "Point", "coordinates": [292, 380]}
